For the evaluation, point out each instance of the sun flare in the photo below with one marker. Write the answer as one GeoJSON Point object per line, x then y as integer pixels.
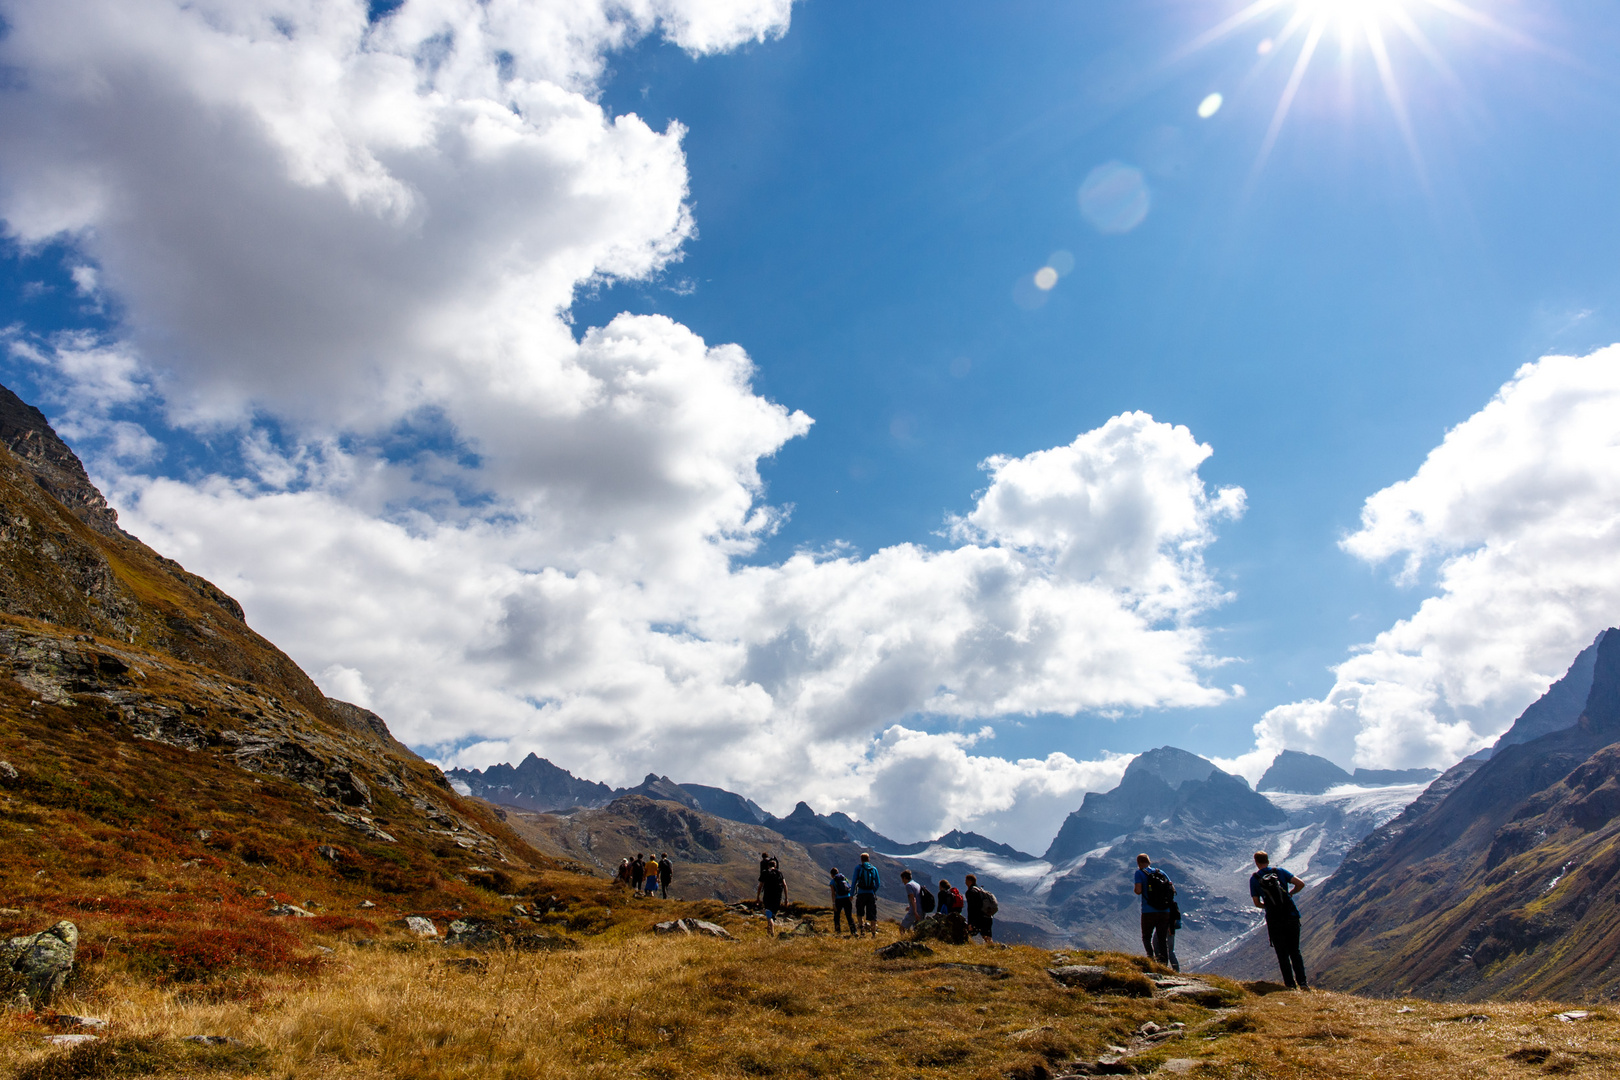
{"type": "Point", "coordinates": [1357, 24]}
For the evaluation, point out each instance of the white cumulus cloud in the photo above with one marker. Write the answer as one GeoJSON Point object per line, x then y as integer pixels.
{"type": "Point", "coordinates": [1519, 509]}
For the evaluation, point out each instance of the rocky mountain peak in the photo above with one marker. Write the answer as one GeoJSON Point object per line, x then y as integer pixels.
{"type": "Point", "coordinates": [1602, 712]}
{"type": "Point", "coordinates": [54, 466]}
{"type": "Point", "coordinates": [1172, 765]}
{"type": "Point", "coordinates": [1302, 774]}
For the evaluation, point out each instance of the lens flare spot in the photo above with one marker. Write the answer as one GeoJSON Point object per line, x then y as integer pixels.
{"type": "Point", "coordinates": [1114, 197]}
{"type": "Point", "coordinates": [1045, 278]}
{"type": "Point", "coordinates": [1265, 47]}
{"type": "Point", "coordinates": [1061, 261]}
{"type": "Point", "coordinates": [1210, 106]}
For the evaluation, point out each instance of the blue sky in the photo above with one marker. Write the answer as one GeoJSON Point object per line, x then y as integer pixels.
{"type": "Point", "coordinates": [869, 189]}
{"type": "Point", "coordinates": [334, 351]}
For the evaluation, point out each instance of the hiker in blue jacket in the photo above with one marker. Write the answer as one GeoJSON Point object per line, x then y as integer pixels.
{"type": "Point", "coordinates": [1158, 908]}
{"type": "Point", "coordinates": [1272, 889]}
{"type": "Point", "coordinates": [867, 884]}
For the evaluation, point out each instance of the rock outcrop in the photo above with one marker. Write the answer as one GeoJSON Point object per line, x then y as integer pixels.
{"type": "Point", "coordinates": [39, 964]}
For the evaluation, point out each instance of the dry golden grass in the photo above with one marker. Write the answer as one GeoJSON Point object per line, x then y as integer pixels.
{"type": "Point", "coordinates": [630, 1004]}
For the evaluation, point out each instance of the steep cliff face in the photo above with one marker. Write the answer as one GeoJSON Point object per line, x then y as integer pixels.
{"type": "Point", "coordinates": [1500, 881]}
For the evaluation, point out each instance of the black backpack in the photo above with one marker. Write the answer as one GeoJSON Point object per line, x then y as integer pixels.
{"type": "Point", "coordinates": [925, 902]}
{"type": "Point", "coordinates": [1274, 894]}
{"type": "Point", "coordinates": [1157, 890]}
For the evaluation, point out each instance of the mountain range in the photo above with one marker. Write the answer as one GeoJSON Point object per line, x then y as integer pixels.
{"type": "Point", "coordinates": [1199, 822]}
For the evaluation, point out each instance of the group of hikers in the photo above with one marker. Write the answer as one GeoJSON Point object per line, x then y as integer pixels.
{"type": "Point", "coordinates": [649, 874]}
{"type": "Point", "coordinates": [854, 901]}
{"type": "Point", "coordinates": [970, 911]}
{"type": "Point", "coordinates": [1271, 889]}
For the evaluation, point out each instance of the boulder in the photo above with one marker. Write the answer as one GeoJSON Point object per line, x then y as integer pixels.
{"type": "Point", "coordinates": [1182, 988]}
{"type": "Point", "coordinates": [419, 926]}
{"type": "Point", "coordinates": [42, 961]}
{"type": "Point", "coordinates": [473, 934]}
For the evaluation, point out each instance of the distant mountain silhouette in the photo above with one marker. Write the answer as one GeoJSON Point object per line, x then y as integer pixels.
{"type": "Point", "coordinates": [726, 804]}
{"type": "Point", "coordinates": [1304, 774]}
{"type": "Point", "coordinates": [533, 784]}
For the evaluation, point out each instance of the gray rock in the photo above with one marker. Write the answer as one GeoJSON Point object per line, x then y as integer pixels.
{"type": "Point", "coordinates": [290, 911]}
{"type": "Point", "coordinates": [693, 926]}
{"type": "Point", "coordinates": [212, 1040]}
{"type": "Point", "coordinates": [69, 1040]}
{"type": "Point", "coordinates": [473, 934]}
{"type": "Point", "coordinates": [1085, 976]}
{"type": "Point", "coordinates": [329, 853]}
{"type": "Point", "coordinates": [66, 1020]}
{"type": "Point", "coordinates": [43, 961]}
{"type": "Point", "coordinates": [419, 926]}
{"type": "Point", "coordinates": [1181, 988]}
{"type": "Point", "coordinates": [7, 770]}
{"type": "Point", "coordinates": [367, 904]}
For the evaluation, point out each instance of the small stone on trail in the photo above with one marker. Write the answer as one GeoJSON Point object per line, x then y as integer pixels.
{"type": "Point", "coordinates": [69, 1040]}
{"type": "Point", "coordinates": [1179, 1065]}
{"type": "Point", "coordinates": [1573, 1015]}
{"type": "Point", "coordinates": [693, 926]}
{"type": "Point", "coordinates": [366, 904]}
{"type": "Point", "coordinates": [419, 926]}
{"type": "Point", "coordinates": [1149, 1028]}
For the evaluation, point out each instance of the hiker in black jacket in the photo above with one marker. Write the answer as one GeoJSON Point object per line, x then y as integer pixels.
{"type": "Point", "coordinates": [1158, 917]}
{"type": "Point", "coordinates": [1272, 889]}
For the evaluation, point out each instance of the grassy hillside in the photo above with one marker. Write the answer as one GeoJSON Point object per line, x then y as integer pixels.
{"type": "Point", "coordinates": [629, 1003]}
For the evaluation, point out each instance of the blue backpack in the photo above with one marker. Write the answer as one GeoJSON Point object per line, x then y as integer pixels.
{"type": "Point", "coordinates": [866, 878]}
{"type": "Point", "coordinates": [841, 886]}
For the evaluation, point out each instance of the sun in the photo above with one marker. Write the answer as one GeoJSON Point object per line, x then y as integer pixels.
{"type": "Point", "coordinates": [1357, 24]}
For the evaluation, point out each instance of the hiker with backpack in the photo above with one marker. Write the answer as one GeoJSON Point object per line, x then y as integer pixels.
{"type": "Point", "coordinates": [1272, 889]}
{"type": "Point", "coordinates": [843, 898]}
{"type": "Point", "coordinates": [666, 871]}
{"type": "Point", "coordinates": [867, 883]}
{"type": "Point", "coordinates": [638, 872]}
{"type": "Point", "coordinates": [951, 904]}
{"type": "Point", "coordinates": [1158, 915]}
{"type": "Point", "coordinates": [771, 894]}
{"type": "Point", "coordinates": [981, 909]}
{"type": "Point", "coordinates": [919, 901]}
